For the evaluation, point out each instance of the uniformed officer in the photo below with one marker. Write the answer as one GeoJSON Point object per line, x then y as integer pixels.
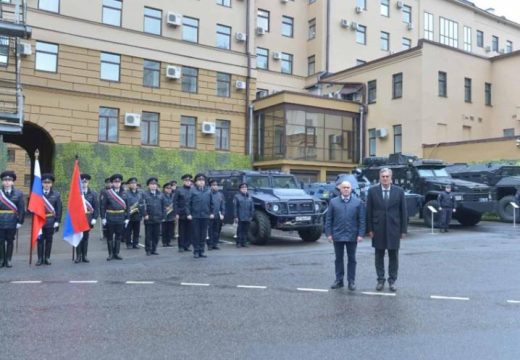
{"type": "Point", "coordinates": [168, 225]}
{"type": "Point", "coordinates": [53, 211]}
{"type": "Point", "coordinates": [447, 206]}
{"type": "Point", "coordinates": [198, 211]}
{"type": "Point", "coordinates": [114, 214]}
{"type": "Point", "coordinates": [92, 208]}
{"type": "Point", "coordinates": [244, 210]}
{"type": "Point", "coordinates": [180, 204]}
{"type": "Point", "coordinates": [12, 213]}
{"type": "Point", "coordinates": [135, 214]}
{"type": "Point", "coordinates": [218, 207]}
{"type": "Point", "coordinates": [153, 215]}
{"type": "Point", "coordinates": [102, 193]}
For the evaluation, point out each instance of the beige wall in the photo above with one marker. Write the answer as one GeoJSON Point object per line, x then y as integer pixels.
{"type": "Point", "coordinates": [474, 151]}
{"type": "Point", "coordinates": [506, 97]}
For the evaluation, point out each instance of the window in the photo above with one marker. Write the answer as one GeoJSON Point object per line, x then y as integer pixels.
{"type": "Point", "coordinates": [449, 32]}
{"type": "Point", "coordinates": [509, 46]}
{"type": "Point", "coordinates": [188, 125]}
{"type": "Point", "coordinates": [151, 73]}
{"type": "Point", "coordinates": [428, 26]}
{"type": "Point", "coordinates": [287, 26]}
{"type": "Point", "coordinates": [223, 84]}
{"type": "Point", "coordinates": [406, 43]}
{"type": "Point", "coordinates": [311, 65]}
{"type": "Point", "coordinates": [260, 93]}
{"type": "Point", "coordinates": [4, 50]}
{"type": "Point", "coordinates": [360, 62]}
{"type": "Point", "coordinates": [11, 155]}
{"type": "Point", "coordinates": [189, 79]}
{"type": "Point", "coordinates": [190, 29]}
{"type": "Point", "coordinates": [480, 38]}
{"type": "Point", "coordinates": [287, 63]}
{"type": "Point", "coordinates": [361, 4]}
{"type": "Point", "coordinates": [509, 132]}
{"type": "Point", "coordinates": [110, 64]}
{"type": "Point", "coordinates": [46, 57]}
{"type": "Point", "coordinates": [278, 139]}
{"type": "Point", "coordinates": [467, 38]}
{"type": "Point", "coordinates": [262, 19]}
{"type": "Point", "coordinates": [49, 5]}
{"type": "Point", "coordinates": [467, 90]}
{"type": "Point", "coordinates": [262, 58]}
{"type": "Point", "coordinates": [361, 34]}
{"type": "Point", "coordinates": [108, 124]}
{"type": "Point", "coordinates": [397, 85]}
{"type": "Point", "coordinates": [372, 91]}
{"type": "Point", "coordinates": [222, 135]}
{"type": "Point", "coordinates": [494, 43]}
{"type": "Point", "coordinates": [407, 14]}
{"type": "Point", "coordinates": [150, 128]}
{"type": "Point", "coordinates": [487, 94]}
{"type": "Point", "coordinates": [385, 41]}
{"type": "Point", "coordinates": [226, 3]}
{"type": "Point", "coordinates": [312, 29]}
{"type": "Point", "coordinates": [223, 37]}
{"type": "Point", "coordinates": [385, 7]}
{"type": "Point", "coordinates": [398, 139]}
{"type": "Point", "coordinates": [152, 21]}
{"type": "Point", "coordinates": [443, 84]}
{"type": "Point", "coordinates": [371, 142]}
{"type": "Point", "coordinates": [112, 12]}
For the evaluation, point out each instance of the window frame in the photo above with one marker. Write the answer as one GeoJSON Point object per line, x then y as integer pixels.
{"type": "Point", "coordinates": [190, 26]}
{"type": "Point", "coordinates": [442, 84]}
{"type": "Point", "coordinates": [361, 30]}
{"type": "Point", "coordinates": [451, 38]}
{"type": "Point", "coordinates": [223, 3]}
{"type": "Point", "coordinates": [187, 127]}
{"type": "Point", "coordinates": [266, 56]}
{"type": "Point", "coordinates": [222, 126]}
{"type": "Point", "coordinates": [383, 41]}
{"type": "Point", "coordinates": [311, 61]}
{"type": "Point", "coordinates": [384, 8]}
{"type": "Point", "coordinates": [480, 39]}
{"type": "Point", "coordinates": [429, 26]}
{"type": "Point", "coordinates": [397, 84]}
{"type": "Point", "coordinates": [467, 38]}
{"type": "Point", "coordinates": [289, 25]}
{"type": "Point", "coordinates": [406, 43]}
{"type": "Point", "coordinates": [223, 35]}
{"type": "Point", "coordinates": [48, 53]}
{"type": "Point", "coordinates": [398, 135]}
{"type": "Point", "coordinates": [488, 96]}
{"type": "Point", "coordinates": [495, 43]}
{"type": "Point", "coordinates": [224, 81]}
{"type": "Point", "coordinates": [263, 16]}
{"type": "Point", "coordinates": [155, 71]}
{"type": "Point", "coordinates": [311, 27]}
{"type": "Point", "coordinates": [152, 18]}
{"type": "Point", "coordinates": [287, 59]}
{"type": "Point", "coordinates": [107, 125]}
{"type": "Point", "coordinates": [55, 12]}
{"type": "Point", "coordinates": [372, 142]}
{"type": "Point", "coordinates": [146, 123]}
{"type": "Point", "coordinates": [468, 91]}
{"type": "Point", "coordinates": [509, 46]}
{"type": "Point", "coordinates": [372, 91]}
{"type": "Point", "coordinates": [110, 63]}
{"type": "Point", "coordinates": [5, 43]}
{"type": "Point", "coordinates": [407, 14]}
{"type": "Point", "coordinates": [120, 10]}
{"type": "Point", "coordinates": [190, 76]}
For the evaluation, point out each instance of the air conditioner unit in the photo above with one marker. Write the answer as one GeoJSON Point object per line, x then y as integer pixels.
{"type": "Point", "coordinates": [239, 84]}
{"type": "Point", "coordinates": [359, 9]}
{"type": "Point", "coordinates": [487, 48]}
{"type": "Point", "coordinates": [381, 133]}
{"type": "Point", "coordinates": [25, 49]}
{"type": "Point", "coordinates": [409, 26]}
{"type": "Point", "coordinates": [260, 30]}
{"type": "Point", "coordinates": [173, 19]}
{"type": "Point", "coordinates": [240, 36]}
{"type": "Point", "coordinates": [277, 55]}
{"type": "Point", "coordinates": [354, 25]}
{"type": "Point", "coordinates": [133, 120]}
{"type": "Point", "coordinates": [345, 23]}
{"type": "Point", "coordinates": [173, 72]}
{"type": "Point", "coordinates": [399, 4]}
{"type": "Point", "coordinates": [208, 127]}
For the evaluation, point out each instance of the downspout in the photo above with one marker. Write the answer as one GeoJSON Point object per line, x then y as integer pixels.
{"type": "Point", "coordinates": [327, 40]}
{"type": "Point", "coordinates": [248, 107]}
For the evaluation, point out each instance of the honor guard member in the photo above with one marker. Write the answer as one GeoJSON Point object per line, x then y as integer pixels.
{"type": "Point", "coordinates": [447, 207]}
{"type": "Point", "coordinates": [180, 203]}
{"type": "Point", "coordinates": [153, 216]}
{"type": "Point", "coordinates": [198, 211]}
{"type": "Point", "coordinates": [102, 193]}
{"type": "Point", "coordinates": [114, 214]}
{"type": "Point", "coordinates": [92, 208]}
{"type": "Point", "coordinates": [218, 206]}
{"type": "Point", "coordinates": [244, 210]}
{"type": "Point", "coordinates": [53, 210]}
{"type": "Point", "coordinates": [134, 197]}
{"type": "Point", "coordinates": [168, 225]}
{"type": "Point", "coordinates": [12, 213]}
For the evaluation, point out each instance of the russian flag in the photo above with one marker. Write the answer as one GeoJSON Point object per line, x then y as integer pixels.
{"type": "Point", "coordinates": [36, 205]}
{"type": "Point", "coordinates": [75, 219]}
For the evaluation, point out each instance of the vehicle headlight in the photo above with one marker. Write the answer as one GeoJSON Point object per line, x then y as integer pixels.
{"type": "Point", "coordinates": [276, 207]}
{"type": "Point", "coordinates": [316, 207]}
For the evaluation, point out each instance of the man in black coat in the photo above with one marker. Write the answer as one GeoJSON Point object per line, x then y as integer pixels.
{"type": "Point", "coordinates": [53, 212]}
{"type": "Point", "coordinates": [180, 203]}
{"type": "Point", "coordinates": [218, 205]}
{"type": "Point", "coordinates": [92, 208]}
{"type": "Point", "coordinates": [387, 223]}
{"type": "Point", "coordinates": [153, 215]}
{"type": "Point", "coordinates": [198, 210]}
{"type": "Point", "coordinates": [12, 213]}
{"type": "Point", "coordinates": [114, 214]}
{"type": "Point", "coordinates": [168, 225]}
{"type": "Point", "coordinates": [134, 197]}
{"type": "Point", "coordinates": [447, 206]}
{"type": "Point", "coordinates": [244, 210]}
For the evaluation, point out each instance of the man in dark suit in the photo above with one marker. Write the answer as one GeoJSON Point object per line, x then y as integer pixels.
{"type": "Point", "coordinates": [387, 223]}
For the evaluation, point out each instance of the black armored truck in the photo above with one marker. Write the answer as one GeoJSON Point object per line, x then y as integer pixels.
{"type": "Point", "coordinates": [428, 177]}
{"type": "Point", "coordinates": [279, 201]}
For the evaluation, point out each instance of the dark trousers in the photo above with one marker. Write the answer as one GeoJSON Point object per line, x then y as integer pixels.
{"type": "Point", "coordinates": [199, 228]}
{"type": "Point", "coordinates": [45, 243]}
{"type": "Point", "coordinates": [168, 227]}
{"type": "Point", "coordinates": [105, 232]}
{"type": "Point", "coordinates": [6, 245]}
{"type": "Point", "coordinates": [132, 231]}
{"type": "Point", "coordinates": [82, 248]}
{"type": "Point", "coordinates": [114, 236]}
{"type": "Point", "coordinates": [184, 233]}
{"type": "Point", "coordinates": [151, 236]}
{"type": "Point", "coordinates": [339, 250]}
{"type": "Point", "coordinates": [393, 265]}
{"type": "Point", "coordinates": [242, 232]}
{"type": "Point", "coordinates": [445, 218]}
{"type": "Point", "coordinates": [215, 226]}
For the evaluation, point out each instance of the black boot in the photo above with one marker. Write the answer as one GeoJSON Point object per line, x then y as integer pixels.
{"type": "Point", "coordinates": [78, 253]}
{"type": "Point", "coordinates": [110, 246]}
{"type": "Point", "coordinates": [2, 253]}
{"type": "Point", "coordinates": [48, 247]}
{"type": "Point", "coordinates": [117, 245]}
{"type": "Point", "coordinates": [40, 253]}
{"type": "Point", "coordinates": [84, 249]}
{"type": "Point", "coordinates": [9, 254]}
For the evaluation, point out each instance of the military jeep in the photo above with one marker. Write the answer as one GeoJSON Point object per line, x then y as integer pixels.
{"type": "Point", "coordinates": [279, 202]}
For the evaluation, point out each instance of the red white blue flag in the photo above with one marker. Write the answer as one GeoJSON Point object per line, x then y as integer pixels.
{"type": "Point", "coordinates": [76, 221]}
{"type": "Point", "coordinates": [36, 204]}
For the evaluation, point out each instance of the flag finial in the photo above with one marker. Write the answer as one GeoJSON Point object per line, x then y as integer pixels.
{"type": "Point", "coordinates": [37, 154]}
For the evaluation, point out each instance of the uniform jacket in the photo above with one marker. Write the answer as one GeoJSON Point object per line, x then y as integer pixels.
{"type": "Point", "coordinates": [52, 216]}
{"type": "Point", "coordinates": [153, 207]}
{"type": "Point", "coordinates": [8, 217]}
{"type": "Point", "coordinates": [218, 204]}
{"type": "Point", "coordinates": [446, 200]}
{"type": "Point", "coordinates": [386, 219]}
{"type": "Point", "coordinates": [169, 213]}
{"type": "Point", "coordinates": [111, 208]}
{"type": "Point", "coordinates": [181, 200]}
{"type": "Point", "coordinates": [135, 205]}
{"type": "Point", "coordinates": [199, 203]}
{"type": "Point", "coordinates": [345, 219]}
{"type": "Point", "coordinates": [93, 209]}
{"type": "Point", "coordinates": [243, 207]}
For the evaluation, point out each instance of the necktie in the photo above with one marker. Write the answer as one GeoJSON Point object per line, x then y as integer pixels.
{"type": "Point", "coordinates": [385, 195]}
{"type": "Point", "coordinates": [46, 193]}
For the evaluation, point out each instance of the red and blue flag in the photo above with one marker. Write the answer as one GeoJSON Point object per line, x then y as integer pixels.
{"type": "Point", "coordinates": [36, 204]}
{"type": "Point", "coordinates": [76, 221]}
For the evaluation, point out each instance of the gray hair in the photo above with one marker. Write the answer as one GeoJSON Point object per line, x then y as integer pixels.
{"type": "Point", "coordinates": [383, 170]}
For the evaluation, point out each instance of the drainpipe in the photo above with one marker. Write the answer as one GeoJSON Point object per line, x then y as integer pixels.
{"type": "Point", "coordinates": [361, 132]}
{"type": "Point", "coordinates": [248, 107]}
{"type": "Point", "coordinates": [327, 40]}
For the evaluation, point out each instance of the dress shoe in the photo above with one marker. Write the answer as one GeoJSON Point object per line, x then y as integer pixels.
{"type": "Point", "coordinates": [187, 248]}
{"type": "Point", "coordinates": [85, 260]}
{"type": "Point", "coordinates": [238, 245]}
{"type": "Point", "coordinates": [39, 262]}
{"type": "Point", "coordinates": [77, 260]}
{"type": "Point", "coordinates": [155, 253]}
{"type": "Point", "coordinates": [392, 287]}
{"type": "Point", "coordinates": [215, 248]}
{"type": "Point", "coordinates": [47, 261]}
{"type": "Point", "coordinates": [202, 255]}
{"type": "Point", "coordinates": [128, 246]}
{"type": "Point", "coordinates": [337, 284]}
{"type": "Point", "coordinates": [351, 286]}
{"type": "Point", "coordinates": [117, 257]}
{"type": "Point", "coordinates": [380, 285]}
{"type": "Point", "coordinates": [148, 253]}
{"type": "Point", "coordinates": [111, 257]}
{"type": "Point", "coordinates": [8, 264]}
{"type": "Point", "coordinates": [181, 250]}
{"type": "Point", "coordinates": [1, 265]}
{"type": "Point", "coordinates": [210, 248]}
{"type": "Point", "coordinates": [446, 230]}
{"type": "Point", "coordinates": [196, 256]}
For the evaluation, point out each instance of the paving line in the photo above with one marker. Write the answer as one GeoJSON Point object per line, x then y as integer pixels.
{"type": "Point", "coordinates": [251, 287]}
{"type": "Point", "coordinates": [83, 282]}
{"type": "Point", "coordinates": [26, 282]}
{"type": "Point", "coordinates": [193, 284]}
{"type": "Point", "coordinates": [312, 290]}
{"type": "Point", "coordinates": [440, 297]}
{"type": "Point", "coordinates": [513, 301]}
{"type": "Point", "coordinates": [140, 282]}
{"type": "Point", "coordinates": [378, 293]}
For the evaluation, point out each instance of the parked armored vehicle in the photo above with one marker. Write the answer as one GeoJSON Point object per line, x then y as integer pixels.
{"type": "Point", "coordinates": [279, 201]}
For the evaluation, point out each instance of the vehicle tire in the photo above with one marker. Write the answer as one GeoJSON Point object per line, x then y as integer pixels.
{"type": "Point", "coordinates": [311, 234]}
{"type": "Point", "coordinates": [260, 228]}
{"type": "Point", "coordinates": [427, 215]}
{"type": "Point", "coordinates": [468, 218]}
{"type": "Point", "coordinates": [504, 208]}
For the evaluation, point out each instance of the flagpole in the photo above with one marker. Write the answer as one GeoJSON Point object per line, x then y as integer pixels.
{"type": "Point", "coordinates": [76, 159]}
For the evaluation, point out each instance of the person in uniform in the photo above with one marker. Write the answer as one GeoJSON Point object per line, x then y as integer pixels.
{"type": "Point", "coordinates": [102, 193]}
{"type": "Point", "coordinates": [134, 197]}
{"type": "Point", "coordinates": [53, 212]}
{"type": "Point", "coordinates": [153, 215]}
{"type": "Point", "coordinates": [447, 206]}
{"type": "Point", "coordinates": [218, 205]}
{"type": "Point", "coordinates": [198, 210]}
{"type": "Point", "coordinates": [168, 225]}
{"type": "Point", "coordinates": [244, 211]}
{"type": "Point", "coordinates": [92, 208]}
{"type": "Point", "coordinates": [180, 204]}
{"type": "Point", "coordinates": [114, 214]}
{"type": "Point", "coordinates": [12, 214]}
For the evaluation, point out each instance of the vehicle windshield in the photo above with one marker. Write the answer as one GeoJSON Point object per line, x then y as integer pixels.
{"type": "Point", "coordinates": [433, 173]}
{"type": "Point", "coordinates": [286, 182]}
{"type": "Point", "coordinates": [257, 181]}
{"type": "Point", "coordinates": [513, 171]}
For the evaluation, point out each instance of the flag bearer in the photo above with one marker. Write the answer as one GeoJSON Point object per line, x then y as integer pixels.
{"type": "Point", "coordinates": [92, 209]}
{"type": "Point", "coordinates": [114, 214]}
{"type": "Point", "coordinates": [12, 213]}
{"type": "Point", "coordinates": [135, 214]}
{"type": "Point", "coordinates": [153, 215]}
{"type": "Point", "coordinates": [53, 211]}
{"type": "Point", "coordinates": [168, 225]}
